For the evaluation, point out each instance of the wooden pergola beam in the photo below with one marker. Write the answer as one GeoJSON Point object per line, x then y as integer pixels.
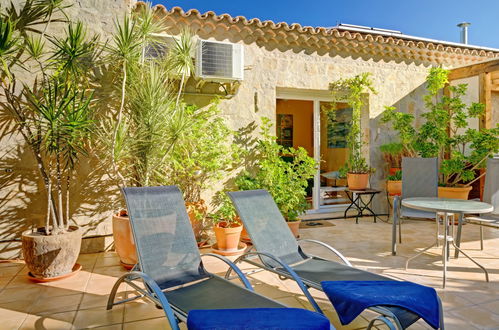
{"type": "Point", "coordinates": [485, 97]}
{"type": "Point", "coordinates": [474, 70]}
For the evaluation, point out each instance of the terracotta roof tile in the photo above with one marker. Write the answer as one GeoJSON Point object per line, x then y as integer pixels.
{"type": "Point", "coordinates": [325, 39]}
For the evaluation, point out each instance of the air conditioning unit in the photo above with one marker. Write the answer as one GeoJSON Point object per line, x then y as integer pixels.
{"type": "Point", "coordinates": [219, 61]}
{"type": "Point", "coordinates": [161, 45]}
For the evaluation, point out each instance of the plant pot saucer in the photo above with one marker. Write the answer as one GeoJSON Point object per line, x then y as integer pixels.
{"type": "Point", "coordinates": [76, 269]}
{"type": "Point", "coordinates": [240, 250]}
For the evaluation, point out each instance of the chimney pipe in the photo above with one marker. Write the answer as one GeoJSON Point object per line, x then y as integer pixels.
{"type": "Point", "coordinates": [464, 32]}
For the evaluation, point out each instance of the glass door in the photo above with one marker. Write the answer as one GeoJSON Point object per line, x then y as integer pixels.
{"type": "Point", "coordinates": [335, 121]}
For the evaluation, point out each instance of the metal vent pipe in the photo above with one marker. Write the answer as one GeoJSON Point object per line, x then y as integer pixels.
{"type": "Point", "coordinates": [464, 32]}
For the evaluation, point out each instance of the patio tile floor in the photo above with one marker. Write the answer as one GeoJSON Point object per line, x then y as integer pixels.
{"type": "Point", "coordinates": [79, 302]}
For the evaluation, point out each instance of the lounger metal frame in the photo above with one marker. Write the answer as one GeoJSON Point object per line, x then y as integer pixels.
{"type": "Point", "coordinates": [154, 293]}
{"type": "Point", "coordinates": [152, 289]}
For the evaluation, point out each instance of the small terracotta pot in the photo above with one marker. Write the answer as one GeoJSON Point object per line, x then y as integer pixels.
{"type": "Point", "coordinates": [50, 256]}
{"type": "Point", "coordinates": [454, 192]}
{"type": "Point", "coordinates": [295, 227]}
{"type": "Point", "coordinates": [394, 188]}
{"type": "Point", "coordinates": [394, 170]}
{"type": "Point", "coordinates": [227, 235]}
{"type": "Point", "coordinates": [357, 181]}
{"type": "Point", "coordinates": [123, 240]}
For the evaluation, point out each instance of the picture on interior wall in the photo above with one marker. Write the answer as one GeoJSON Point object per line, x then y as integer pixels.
{"type": "Point", "coordinates": [285, 130]}
{"type": "Point", "coordinates": [338, 128]}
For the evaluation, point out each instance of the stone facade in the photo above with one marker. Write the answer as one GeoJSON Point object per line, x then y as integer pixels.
{"type": "Point", "coordinates": [271, 65]}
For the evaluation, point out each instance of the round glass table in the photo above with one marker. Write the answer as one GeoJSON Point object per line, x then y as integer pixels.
{"type": "Point", "coordinates": [446, 209]}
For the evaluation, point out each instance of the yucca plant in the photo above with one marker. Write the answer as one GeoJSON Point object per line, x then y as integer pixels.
{"type": "Point", "coordinates": [139, 136]}
{"type": "Point", "coordinates": [51, 107]}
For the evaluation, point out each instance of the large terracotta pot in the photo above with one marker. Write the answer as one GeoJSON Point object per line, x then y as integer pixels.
{"type": "Point", "coordinates": [193, 210]}
{"type": "Point", "coordinates": [454, 192]}
{"type": "Point", "coordinates": [123, 240]}
{"type": "Point", "coordinates": [295, 227]}
{"type": "Point", "coordinates": [227, 235]}
{"type": "Point", "coordinates": [49, 256]}
{"type": "Point", "coordinates": [357, 181]}
{"type": "Point", "coordinates": [394, 188]}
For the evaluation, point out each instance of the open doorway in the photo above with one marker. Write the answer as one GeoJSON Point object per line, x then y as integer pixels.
{"type": "Point", "coordinates": [295, 128]}
{"type": "Point", "coordinates": [320, 127]}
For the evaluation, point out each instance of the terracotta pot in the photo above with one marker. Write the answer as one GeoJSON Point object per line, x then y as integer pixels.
{"type": "Point", "coordinates": [454, 192]}
{"type": "Point", "coordinates": [227, 235]}
{"type": "Point", "coordinates": [394, 170]}
{"type": "Point", "coordinates": [49, 256]}
{"type": "Point", "coordinates": [394, 188]}
{"type": "Point", "coordinates": [357, 181]}
{"type": "Point", "coordinates": [193, 210]}
{"type": "Point", "coordinates": [295, 227]}
{"type": "Point", "coordinates": [123, 240]}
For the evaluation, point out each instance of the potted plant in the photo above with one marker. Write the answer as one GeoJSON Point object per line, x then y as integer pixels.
{"type": "Point", "coordinates": [138, 138]}
{"type": "Point", "coordinates": [51, 109]}
{"type": "Point", "coordinates": [445, 134]}
{"type": "Point", "coordinates": [202, 156]}
{"type": "Point", "coordinates": [227, 227]}
{"type": "Point", "coordinates": [394, 184]}
{"type": "Point", "coordinates": [285, 178]}
{"type": "Point", "coordinates": [352, 91]}
{"type": "Point", "coordinates": [393, 153]}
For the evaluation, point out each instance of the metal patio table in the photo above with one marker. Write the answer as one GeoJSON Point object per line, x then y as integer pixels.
{"type": "Point", "coordinates": [446, 209]}
{"type": "Point", "coordinates": [356, 202]}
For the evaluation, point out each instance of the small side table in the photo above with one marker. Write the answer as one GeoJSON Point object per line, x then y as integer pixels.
{"type": "Point", "coordinates": [355, 197]}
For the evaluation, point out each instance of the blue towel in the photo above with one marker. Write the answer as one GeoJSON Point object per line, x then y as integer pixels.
{"type": "Point", "coordinates": [350, 298]}
{"type": "Point", "coordinates": [256, 319]}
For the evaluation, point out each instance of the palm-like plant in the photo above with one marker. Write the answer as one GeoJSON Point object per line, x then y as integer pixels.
{"type": "Point", "coordinates": [150, 117]}
{"type": "Point", "coordinates": [51, 108]}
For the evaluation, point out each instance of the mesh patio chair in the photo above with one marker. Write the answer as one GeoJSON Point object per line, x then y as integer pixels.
{"type": "Point", "coordinates": [277, 250]}
{"type": "Point", "coordinates": [419, 179]}
{"type": "Point", "coordinates": [491, 196]}
{"type": "Point", "coordinates": [170, 265]}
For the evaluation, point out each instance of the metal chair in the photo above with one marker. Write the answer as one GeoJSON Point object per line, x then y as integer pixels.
{"type": "Point", "coordinates": [171, 268]}
{"type": "Point", "coordinates": [419, 179]}
{"type": "Point", "coordinates": [278, 251]}
{"type": "Point", "coordinates": [491, 196]}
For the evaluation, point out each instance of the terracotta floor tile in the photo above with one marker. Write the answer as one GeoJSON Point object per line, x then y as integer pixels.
{"type": "Point", "coordinates": [58, 321]}
{"type": "Point", "coordinates": [98, 317]}
{"type": "Point", "coordinates": [141, 309]}
{"type": "Point", "coordinates": [21, 293]}
{"type": "Point", "coordinates": [152, 324]}
{"type": "Point", "coordinates": [10, 270]}
{"type": "Point", "coordinates": [51, 305]}
{"type": "Point", "coordinates": [90, 300]}
{"type": "Point", "coordinates": [108, 261]}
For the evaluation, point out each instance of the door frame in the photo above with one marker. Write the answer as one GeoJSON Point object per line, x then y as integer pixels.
{"type": "Point", "coordinates": [316, 96]}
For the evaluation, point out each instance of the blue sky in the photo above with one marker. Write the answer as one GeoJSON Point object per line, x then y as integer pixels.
{"type": "Point", "coordinates": [434, 19]}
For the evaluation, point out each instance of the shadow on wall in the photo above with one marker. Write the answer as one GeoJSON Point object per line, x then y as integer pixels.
{"type": "Point", "coordinates": [23, 200]}
{"type": "Point", "coordinates": [411, 103]}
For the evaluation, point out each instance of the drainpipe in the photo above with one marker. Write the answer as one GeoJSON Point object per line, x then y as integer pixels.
{"type": "Point", "coordinates": [464, 32]}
